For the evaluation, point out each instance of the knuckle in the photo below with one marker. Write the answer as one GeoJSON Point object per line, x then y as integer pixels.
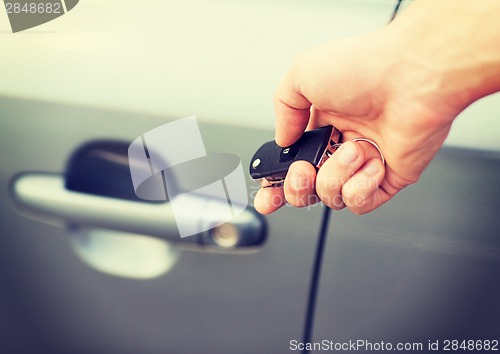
{"type": "Point", "coordinates": [333, 201]}
{"type": "Point", "coordinates": [290, 195]}
{"type": "Point", "coordinates": [349, 196]}
{"type": "Point", "coordinates": [356, 202]}
{"type": "Point", "coordinates": [358, 205]}
{"type": "Point", "coordinates": [301, 200]}
{"type": "Point", "coordinates": [291, 200]}
{"type": "Point", "coordinates": [394, 183]}
{"type": "Point", "coordinates": [358, 211]}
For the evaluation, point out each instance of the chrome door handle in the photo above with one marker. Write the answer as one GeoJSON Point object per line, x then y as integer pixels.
{"type": "Point", "coordinates": [44, 196]}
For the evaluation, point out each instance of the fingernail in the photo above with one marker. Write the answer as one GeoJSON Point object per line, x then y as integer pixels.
{"type": "Point", "coordinates": [372, 168]}
{"type": "Point", "coordinates": [347, 154]}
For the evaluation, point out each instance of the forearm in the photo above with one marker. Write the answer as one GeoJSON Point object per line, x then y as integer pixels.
{"type": "Point", "coordinates": [456, 41]}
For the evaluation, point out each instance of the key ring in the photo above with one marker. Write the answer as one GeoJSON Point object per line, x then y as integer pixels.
{"type": "Point", "coordinates": [336, 146]}
{"type": "Point", "coordinates": [374, 144]}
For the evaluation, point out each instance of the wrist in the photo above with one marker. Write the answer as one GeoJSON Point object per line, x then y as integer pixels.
{"type": "Point", "coordinates": [445, 51]}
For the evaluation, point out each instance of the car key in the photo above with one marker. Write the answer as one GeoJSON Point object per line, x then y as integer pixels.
{"type": "Point", "coordinates": [271, 162]}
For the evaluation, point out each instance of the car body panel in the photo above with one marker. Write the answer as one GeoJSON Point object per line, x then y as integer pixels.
{"type": "Point", "coordinates": [424, 266]}
{"type": "Point", "coordinates": [218, 59]}
{"type": "Point", "coordinates": [244, 303]}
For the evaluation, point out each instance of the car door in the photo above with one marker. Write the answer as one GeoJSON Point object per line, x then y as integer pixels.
{"type": "Point", "coordinates": [422, 271]}
{"type": "Point", "coordinates": [224, 301]}
{"type": "Point", "coordinates": [111, 73]}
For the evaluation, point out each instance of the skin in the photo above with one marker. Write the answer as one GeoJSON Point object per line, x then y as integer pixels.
{"type": "Point", "coordinates": [401, 87]}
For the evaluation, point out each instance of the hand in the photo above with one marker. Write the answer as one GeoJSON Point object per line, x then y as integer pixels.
{"type": "Point", "coordinates": [391, 87]}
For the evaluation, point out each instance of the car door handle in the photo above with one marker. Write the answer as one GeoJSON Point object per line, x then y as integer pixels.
{"type": "Point", "coordinates": [96, 203]}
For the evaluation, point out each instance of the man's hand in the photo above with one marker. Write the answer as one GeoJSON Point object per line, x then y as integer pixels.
{"type": "Point", "coordinates": [401, 87]}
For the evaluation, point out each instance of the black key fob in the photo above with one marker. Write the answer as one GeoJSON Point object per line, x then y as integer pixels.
{"type": "Point", "coordinates": [270, 163]}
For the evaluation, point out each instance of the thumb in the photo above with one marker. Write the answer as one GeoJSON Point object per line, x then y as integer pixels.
{"type": "Point", "coordinates": [292, 110]}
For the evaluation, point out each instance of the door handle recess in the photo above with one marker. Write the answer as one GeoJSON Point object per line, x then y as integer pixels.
{"type": "Point", "coordinates": [96, 191]}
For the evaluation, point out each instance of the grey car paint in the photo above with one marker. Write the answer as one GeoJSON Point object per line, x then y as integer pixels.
{"type": "Point", "coordinates": [425, 266]}
{"type": "Point", "coordinates": [52, 302]}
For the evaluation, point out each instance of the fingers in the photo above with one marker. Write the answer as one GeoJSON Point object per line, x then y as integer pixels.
{"type": "Point", "coordinates": [292, 110]}
{"type": "Point", "coordinates": [298, 190]}
{"type": "Point", "coordinates": [361, 193]}
{"type": "Point", "coordinates": [354, 177]}
{"type": "Point", "coordinates": [268, 200]}
{"type": "Point", "coordinates": [336, 171]}
{"type": "Point", "coordinates": [300, 184]}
